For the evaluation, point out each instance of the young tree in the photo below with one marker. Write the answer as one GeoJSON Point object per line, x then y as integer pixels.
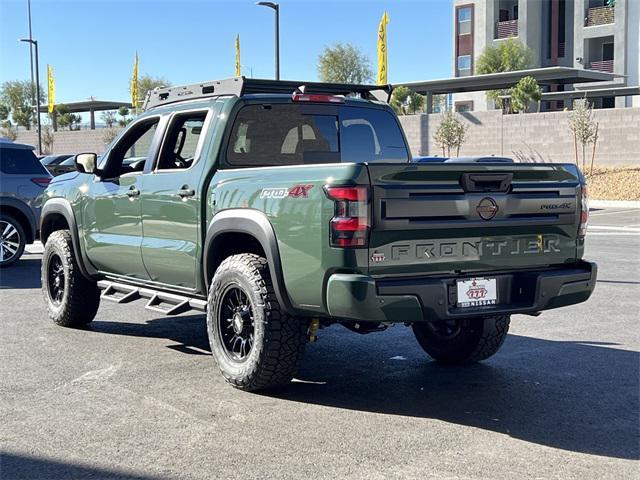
{"type": "Point", "coordinates": [405, 101]}
{"type": "Point", "coordinates": [508, 56]}
{"type": "Point", "coordinates": [8, 131]}
{"type": "Point", "coordinates": [4, 112]}
{"type": "Point", "coordinates": [17, 97]}
{"type": "Point", "coordinates": [583, 126]}
{"type": "Point", "coordinates": [524, 93]}
{"type": "Point", "coordinates": [109, 118]}
{"type": "Point", "coordinates": [109, 135]}
{"type": "Point", "coordinates": [399, 99]}
{"type": "Point", "coordinates": [416, 102]}
{"type": "Point", "coordinates": [66, 118]}
{"type": "Point", "coordinates": [146, 83]}
{"type": "Point", "coordinates": [344, 63]}
{"type": "Point", "coordinates": [47, 140]}
{"type": "Point", "coordinates": [450, 133]}
{"type": "Point", "coordinates": [125, 118]}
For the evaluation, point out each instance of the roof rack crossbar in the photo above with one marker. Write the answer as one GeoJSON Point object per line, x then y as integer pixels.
{"type": "Point", "coordinates": [239, 86]}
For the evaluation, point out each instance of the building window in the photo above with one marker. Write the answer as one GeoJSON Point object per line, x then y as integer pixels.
{"type": "Point", "coordinates": [465, 106]}
{"type": "Point", "coordinates": [464, 21]}
{"type": "Point", "coordinates": [608, 102]}
{"type": "Point", "coordinates": [464, 65]}
{"type": "Point", "coordinates": [464, 14]}
{"type": "Point", "coordinates": [463, 61]}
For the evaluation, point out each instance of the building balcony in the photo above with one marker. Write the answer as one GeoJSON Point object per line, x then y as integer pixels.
{"type": "Point", "coordinates": [600, 16]}
{"type": "Point", "coordinates": [602, 65]}
{"type": "Point", "coordinates": [506, 29]}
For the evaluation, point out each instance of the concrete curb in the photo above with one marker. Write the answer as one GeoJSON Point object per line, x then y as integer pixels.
{"type": "Point", "coordinates": [614, 203]}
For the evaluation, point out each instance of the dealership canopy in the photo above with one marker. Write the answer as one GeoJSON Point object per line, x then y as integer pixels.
{"type": "Point", "coordinates": [496, 81]}
{"type": "Point", "coordinates": [90, 106]}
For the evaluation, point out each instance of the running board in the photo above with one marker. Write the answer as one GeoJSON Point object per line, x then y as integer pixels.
{"type": "Point", "coordinates": [162, 302]}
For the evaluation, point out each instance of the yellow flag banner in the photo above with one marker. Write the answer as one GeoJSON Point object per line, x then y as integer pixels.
{"type": "Point", "coordinates": [382, 50]}
{"type": "Point", "coordinates": [51, 94]}
{"type": "Point", "coordinates": [238, 66]}
{"type": "Point", "coordinates": [134, 84]}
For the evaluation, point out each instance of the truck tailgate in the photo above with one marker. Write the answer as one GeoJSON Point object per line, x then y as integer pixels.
{"type": "Point", "coordinates": [458, 218]}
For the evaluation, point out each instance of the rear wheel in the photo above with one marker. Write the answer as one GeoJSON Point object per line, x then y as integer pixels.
{"type": "Point", "coordinates": [462, 340]}
{"type": "Point", "coordinates": [12, 240]}
{"type": "Point", "coordinates": [72, 300]}
{"type": "Point", "coordinates": [254, 343]}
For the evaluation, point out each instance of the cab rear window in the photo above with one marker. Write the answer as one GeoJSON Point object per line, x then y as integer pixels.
{"type": "Point", "coordinates": [272, 135]}
{"type": "Point", "coordinates": [20, 161]}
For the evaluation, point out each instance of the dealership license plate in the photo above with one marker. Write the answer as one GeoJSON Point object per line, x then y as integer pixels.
{"type": "Point", "coordinates": [477, 292]}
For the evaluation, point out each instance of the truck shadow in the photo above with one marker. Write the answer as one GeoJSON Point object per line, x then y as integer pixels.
{"type": "Point", "coordinates": [187, 332]}
{"type": "Point", "coordinates": [572, 395]}
{"type": "Point", "coordinates": [16, 466]}
{"type": "Point", "coordinates": [576, 396]}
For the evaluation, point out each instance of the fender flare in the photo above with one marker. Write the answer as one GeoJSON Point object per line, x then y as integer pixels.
{"type": "Point", "coordinates": [61, 206]}
{"type": "Point", "coordinates": [26, 211]}
{"type": "Point", "coordinates": [256, 224]}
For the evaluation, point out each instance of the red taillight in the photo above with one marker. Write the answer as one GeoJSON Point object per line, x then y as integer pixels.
{"type": "Point", "coordinates": [350, 223]}
{"type": "Point", "coordinates": [41, 181]}
{"type": "Point", "coordinates": [584, 212]}
{"type": "Point", "coordinates": [313, 97]}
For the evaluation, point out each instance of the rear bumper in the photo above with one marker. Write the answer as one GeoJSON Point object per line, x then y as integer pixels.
{"type": "Point", "coordinates": [360, 297]}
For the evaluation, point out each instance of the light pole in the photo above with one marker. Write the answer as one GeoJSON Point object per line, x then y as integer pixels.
{"type": "Point", "coordinates": [250, 69]}
{"type": "Point", "coordinates": [35, 44]}
{"type": "Point", "coordinates": [276, 8]}
{"type": "Point", "coordinates": [30, 50]}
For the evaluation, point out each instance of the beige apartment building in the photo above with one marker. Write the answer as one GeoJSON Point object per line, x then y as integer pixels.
{"type": "Point", "coordinates": [601, 35]}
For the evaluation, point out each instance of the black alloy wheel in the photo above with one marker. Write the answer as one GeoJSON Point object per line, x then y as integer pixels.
{"type": "Point", "coordinates": [236, 323]}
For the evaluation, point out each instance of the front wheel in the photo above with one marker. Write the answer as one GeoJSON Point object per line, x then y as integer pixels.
{"type": "Point", "coordinates": [72, 300]}
{"type": "Point", "coordinates": [254, 343]}
{"type": "Point", "coordinates": [465, 340]}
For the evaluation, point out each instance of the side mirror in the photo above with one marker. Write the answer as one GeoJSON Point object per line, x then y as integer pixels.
{"type": "Point", "coordinates": [86, 162]}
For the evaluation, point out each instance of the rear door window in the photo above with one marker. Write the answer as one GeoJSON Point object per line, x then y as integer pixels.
{"type": "Point", "coordinates": [274, 135]}
{"type": "Point", "coordinates": [289, 134]}
{"type": "Point", "coordinates": [19, 161]}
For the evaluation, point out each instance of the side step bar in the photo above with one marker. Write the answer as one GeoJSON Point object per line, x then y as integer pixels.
{"type": "Point", "coordinates": [162, 302]}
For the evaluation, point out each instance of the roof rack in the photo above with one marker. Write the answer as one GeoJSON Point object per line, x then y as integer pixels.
{"type": "Point", "coordinates": [239, 86]}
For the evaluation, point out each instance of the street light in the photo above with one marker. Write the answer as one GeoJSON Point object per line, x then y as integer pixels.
{"type": "Point", "coordinates": [250, 69]}
{"type": "Point", "coordinates": [35, 44]}
{"type": "Point", "coordinates": [276, 8]}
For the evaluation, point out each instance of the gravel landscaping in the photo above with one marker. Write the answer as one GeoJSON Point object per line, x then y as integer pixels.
{"type": "Point", "coordinates": [614, 183]}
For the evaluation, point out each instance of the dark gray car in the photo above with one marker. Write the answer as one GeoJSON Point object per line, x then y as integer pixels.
{"type": "Point", "coordinates": [23, 180]}
{"type": "Point", "coordinates": [59, 164]}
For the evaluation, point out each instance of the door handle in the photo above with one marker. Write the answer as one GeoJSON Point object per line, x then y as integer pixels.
{"type": "Point", "coordinates": [185, 192]}
{"type": "Point", "coordinates": [133, 192]}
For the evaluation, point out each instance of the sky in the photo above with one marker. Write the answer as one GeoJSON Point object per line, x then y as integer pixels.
{"type": "Point", "coordinates": [91, 43]}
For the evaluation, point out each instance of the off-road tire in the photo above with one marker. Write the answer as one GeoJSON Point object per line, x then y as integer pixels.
{"type": "Point", "coordinates": [278, 339]}
{"type": "Point", "coordinates": [81, 298]}
{"type": "Point", "coordinates": [476, 340]}
{"type": "Point", "coordinates": [6, 220]}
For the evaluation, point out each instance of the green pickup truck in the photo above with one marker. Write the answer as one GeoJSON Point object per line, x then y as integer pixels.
{"type": "Point", "coordinates": [280, 207]}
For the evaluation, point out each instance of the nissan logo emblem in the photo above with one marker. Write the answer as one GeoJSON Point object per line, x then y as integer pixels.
{"type": "Point", "coordinates": [487, 208]}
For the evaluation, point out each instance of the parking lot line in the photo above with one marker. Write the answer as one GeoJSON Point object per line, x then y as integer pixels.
{"type": "Point", "coordinates": [599, 214]}
{"type": "Point", "coordinates": [615, 228]}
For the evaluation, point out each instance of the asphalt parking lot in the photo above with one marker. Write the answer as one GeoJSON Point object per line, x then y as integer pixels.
{"type": "Point", "coordinates": [137, 395]}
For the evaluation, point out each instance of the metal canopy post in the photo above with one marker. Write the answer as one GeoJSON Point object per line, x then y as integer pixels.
{"type": "Point", "coordinates": [429, 102]}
